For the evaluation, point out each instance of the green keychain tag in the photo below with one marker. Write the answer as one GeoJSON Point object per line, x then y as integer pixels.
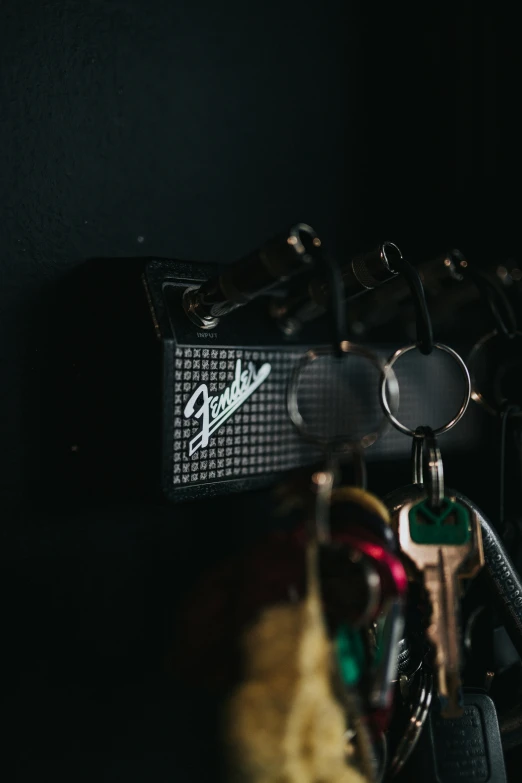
{"type": "Point", "coordinates": [445, 526]}
{"type": "Point", "coordinates": [350, 655]}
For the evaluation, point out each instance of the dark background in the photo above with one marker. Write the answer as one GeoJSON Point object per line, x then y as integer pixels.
{"type": "Point", "coordinates": [196, 130]}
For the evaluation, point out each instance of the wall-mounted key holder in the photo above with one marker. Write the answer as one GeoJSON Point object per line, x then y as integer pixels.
{"type": "Point", "coordinates": [147, 398]}
{"type": "Point", "coordinates": [225, 423]}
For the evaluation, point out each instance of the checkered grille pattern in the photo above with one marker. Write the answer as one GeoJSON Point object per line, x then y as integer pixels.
{"type": "Point", "coordinates": [338, 398]}
{"type": "Point", "coordinates": [257, 439]}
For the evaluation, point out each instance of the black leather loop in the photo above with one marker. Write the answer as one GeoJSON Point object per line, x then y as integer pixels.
{"type": "Point", "coordinates": [508, 411]}
{"type": "Point", "coordinates": [337, 302]}
{"type": "Point", "coordinates": [424, 327]}
{"type": "Point", "coordinates": [496, 299]}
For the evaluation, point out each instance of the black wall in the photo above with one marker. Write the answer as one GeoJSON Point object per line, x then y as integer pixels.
{"type": "Point", "coordinates": [196, 130]}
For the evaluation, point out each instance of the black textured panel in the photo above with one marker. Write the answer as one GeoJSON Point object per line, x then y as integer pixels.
{"type": "Point", "coordinates": [462, 748]}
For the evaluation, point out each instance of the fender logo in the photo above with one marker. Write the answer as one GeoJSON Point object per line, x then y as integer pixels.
{"type": "Point", "coordinates": [214, 411]}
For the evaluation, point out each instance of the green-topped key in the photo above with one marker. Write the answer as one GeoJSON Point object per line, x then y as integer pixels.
{"type": "Point", "coordinates": [442, 543]}
{"type": "Point", "coordinates": [449, 525]}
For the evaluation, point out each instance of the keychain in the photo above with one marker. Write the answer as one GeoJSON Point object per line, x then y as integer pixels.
{"type": "Point", "coordinates": [284, 721]}
{"type": "Point", "coordinates": [440, 536]}
{"type": "Point", "coordinates": [348, 544]}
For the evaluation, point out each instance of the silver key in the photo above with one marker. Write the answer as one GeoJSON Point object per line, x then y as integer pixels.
{"type": "Point", "coordinates": [442, 544]}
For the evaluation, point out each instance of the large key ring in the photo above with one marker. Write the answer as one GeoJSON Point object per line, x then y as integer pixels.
{"type": "Point", "coordinates": [425, 441]}
{"type": "Point", "coordinates": [476, 394]}
{"type": "Point", "coordinates": [338, 443]}
{"type": "Point", "coordinates": [384, 398]}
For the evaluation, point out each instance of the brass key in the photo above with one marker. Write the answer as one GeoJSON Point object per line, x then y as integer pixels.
{"type": "Point", "coordinates": [442, 543]}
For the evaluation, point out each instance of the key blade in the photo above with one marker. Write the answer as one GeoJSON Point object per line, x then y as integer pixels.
{"type": "Point", "coordinates": [452, 707]}
{"type": "Point", "coordinates": [441, 585]}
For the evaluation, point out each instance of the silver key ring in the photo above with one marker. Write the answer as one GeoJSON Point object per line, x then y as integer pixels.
{"type": "Point", "coordinates": [425, 441]}
{"type": "Point", "coordinates": [339, 443]}
{"type": "Point", "coordinates": [476, 394]}
{"type": "Point", "coordinates": [384, 394]}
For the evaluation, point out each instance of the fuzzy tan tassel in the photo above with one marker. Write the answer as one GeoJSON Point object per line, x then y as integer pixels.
{"type": "Point", "coordinates": [283, 723]}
